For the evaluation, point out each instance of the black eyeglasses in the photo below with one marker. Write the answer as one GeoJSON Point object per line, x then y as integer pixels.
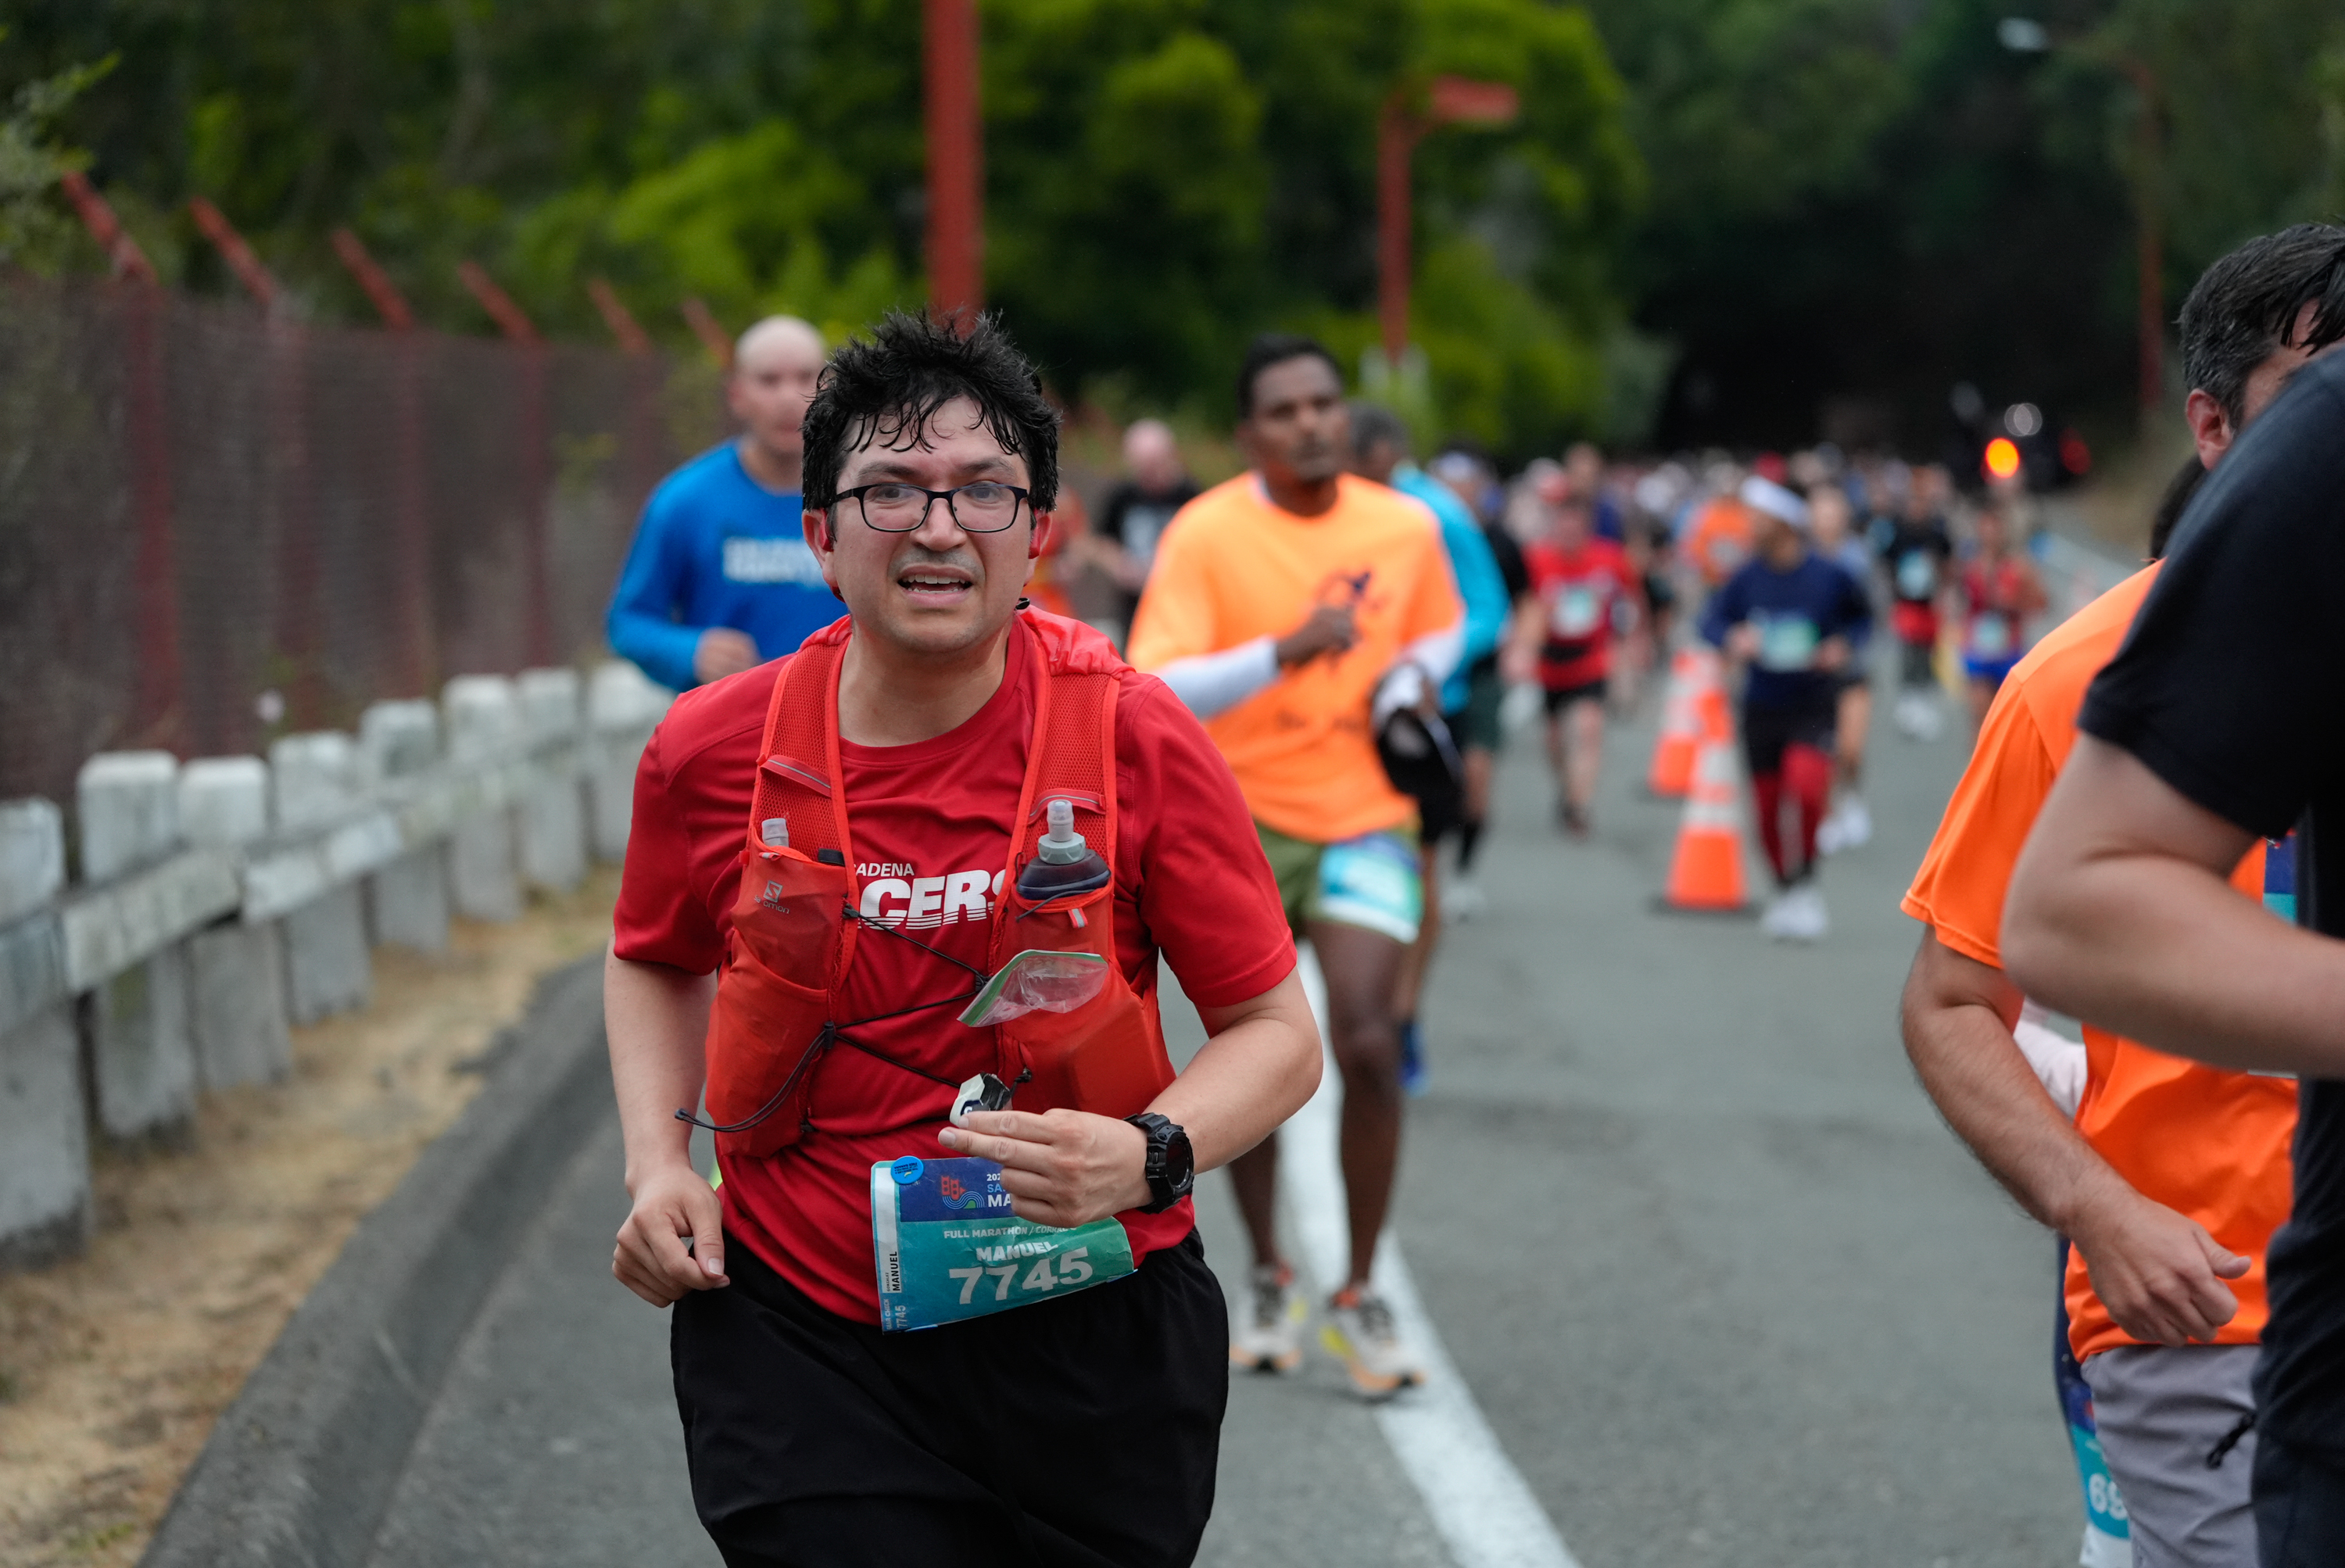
{"type": "Point", "coordinates": [893, 506]}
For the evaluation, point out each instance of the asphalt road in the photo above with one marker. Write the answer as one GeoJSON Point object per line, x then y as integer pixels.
{"type": "Point", "coordinates": [1723, 1288]}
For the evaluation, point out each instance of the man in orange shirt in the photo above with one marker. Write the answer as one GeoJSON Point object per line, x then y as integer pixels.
{"type": "Point", "coordinates": [1295, 609]}
{"type": "Point", "coordinates": [2172, 1175]}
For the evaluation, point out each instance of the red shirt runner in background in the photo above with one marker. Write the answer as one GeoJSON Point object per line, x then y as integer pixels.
{"type": "Point", "coordinates": [931, 838]}
{"type": "Point", "coordinates": [1580, 591]}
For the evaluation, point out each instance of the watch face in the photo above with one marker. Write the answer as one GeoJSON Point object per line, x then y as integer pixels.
{"type": "Point", "coordinates": [1180, 1162]}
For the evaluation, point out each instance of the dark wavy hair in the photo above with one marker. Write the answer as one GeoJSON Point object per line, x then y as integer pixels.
{"type": "Point", "coordinates": [1275, 348]}
{"type": "Point", "coordinates": [2244, 308]}
{"type": "Point", "coordinates": [888, 387]}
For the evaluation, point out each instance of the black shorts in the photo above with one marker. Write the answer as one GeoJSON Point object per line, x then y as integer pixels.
{"type": "Point", "coordinates": [1080, 1433]}
{"type": "Point", "coordinates": [1555, 699]}
{"type": "Point", "coordinates": [1768, 732]}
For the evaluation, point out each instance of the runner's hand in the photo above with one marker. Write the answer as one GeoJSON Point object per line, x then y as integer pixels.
{"type": "Point", "coordinates": [1743, 641]}
{"type": "Point", "coordinates": [1832, 654]}
{"type": "Point", "coordinates": [1062, 1167]}
{"type": "Point", "coordinates": [650, 1260]}
{"type": "Point", "coordinates": [721, 651]}
{"type": "Point", "coordinates": [2160, 1274]}
{"type": "Point", "coordinates": [1330, 629]}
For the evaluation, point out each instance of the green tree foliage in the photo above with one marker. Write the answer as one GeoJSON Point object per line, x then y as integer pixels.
{"type": "Point", "coordinates": [1856, 203]}
{"type": "Point", "coordinates": [1164, 177]}
{"type": "Point", "coordinates": [33, 234]}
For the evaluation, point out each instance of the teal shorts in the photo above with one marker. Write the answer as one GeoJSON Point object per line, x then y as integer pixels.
{"type": "Point", "coordinates": [1371, 882]}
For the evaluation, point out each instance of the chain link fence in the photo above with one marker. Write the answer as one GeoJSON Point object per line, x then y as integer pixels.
{"type": "Point", "coordinates": [216, 527]}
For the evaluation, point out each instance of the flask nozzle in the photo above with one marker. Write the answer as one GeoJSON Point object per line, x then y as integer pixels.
{"type": "Point", "coordinates": [1061, 845]}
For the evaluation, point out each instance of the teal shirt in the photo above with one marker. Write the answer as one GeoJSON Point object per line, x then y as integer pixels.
{"type": "Point", "coordinates": [1474, 569]}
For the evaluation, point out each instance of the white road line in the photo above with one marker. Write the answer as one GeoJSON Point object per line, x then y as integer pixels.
{"type": "Point", "coordinates": [1478, 1500]}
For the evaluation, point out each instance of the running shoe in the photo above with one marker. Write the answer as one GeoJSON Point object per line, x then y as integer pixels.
{"type": "Point", "coordinates": [1855, 823]}
{"type": "Point", "coordinates": [1412, 1059]}
{"type": "Point", "coordinates": [1917, 715]}
{"type": "Point", "coordinates": [1772, 918]}
{"type": "Point", "coordinates": [1573, 819]}
{"type": "Point", "coordinates": [1359, 1332]}
{"type": "Point", "coordinates": [1803, 917]}
{"type": "Point", "coordinates": [1463, 901]}
{"type": "Point", "coordinates": [1270, 1336]}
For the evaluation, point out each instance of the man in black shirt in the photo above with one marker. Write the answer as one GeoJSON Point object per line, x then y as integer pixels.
{"type": "Point", "coordinates": [2223, 718]}
{"type": "Point", "coordinates": [1915, 549]}
{"type": "Point", "coordinates": [1134, 514]}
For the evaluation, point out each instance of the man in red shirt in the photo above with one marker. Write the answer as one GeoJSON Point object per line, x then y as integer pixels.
{"type": "Point", "coordinates": [1564, 631]}
{"type": "Point", "coordinates": [1065, 1405]}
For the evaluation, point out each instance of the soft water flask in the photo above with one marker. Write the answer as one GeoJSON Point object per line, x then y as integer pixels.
{"type": "Point", "coordinates": [1063, 863]}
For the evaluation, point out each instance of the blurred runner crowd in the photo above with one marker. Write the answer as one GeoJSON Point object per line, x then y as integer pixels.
{"type": "Point", "coordinates": [1359, 628]}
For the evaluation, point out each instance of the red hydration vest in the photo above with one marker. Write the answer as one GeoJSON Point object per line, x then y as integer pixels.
{"type": "Point", "coordinates": [795, 925]}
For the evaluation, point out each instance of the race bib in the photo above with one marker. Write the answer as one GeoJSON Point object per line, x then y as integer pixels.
{"type": "Point", "coordinates": [1786, 642]}
{"type": "Point", "coordinates": [1990, 636]}
{"type": "Point", "coordinates": [949, 1247]}
{"type": "Point", "coordinates": [1917, 574]}
{"type": "Point", "coordinates": [1576, 613]}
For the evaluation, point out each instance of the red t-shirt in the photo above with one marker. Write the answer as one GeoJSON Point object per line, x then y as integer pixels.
{"type": "Point", "coordinates": [931, 837]}
{"type": "Point", "coordinates": [1579, 591]}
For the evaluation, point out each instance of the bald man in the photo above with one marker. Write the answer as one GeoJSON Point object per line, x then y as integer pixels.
{"type": "Point", "coordinates": [1123, 540]}
{"type": "Point", "coordinates": [719, 577]}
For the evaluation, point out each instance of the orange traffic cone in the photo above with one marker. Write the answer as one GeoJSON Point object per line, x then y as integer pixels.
{"type": "Point", "coordinates": [1706, 871]}
{"type": "Point", "coordinates": [1687, 721]}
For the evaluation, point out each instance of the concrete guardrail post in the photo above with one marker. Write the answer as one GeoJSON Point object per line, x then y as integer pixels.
{"type": "Point", "coordinates": [551, 821]}
{"type": "Point", "coordinates": [483, 727]}
{"type": "Point", "coordinates": [623, 706]}
{"type": "Point", "coordinates": [408, 899]}
{"type": "Point", "coordinates": [45, 1202]}
{"type": "Point", "coordinates": [143, 1055]}
{"type": "Point", "coordinates": [236, 971]}
{"type": "Point", "coordinates": [327, 971]}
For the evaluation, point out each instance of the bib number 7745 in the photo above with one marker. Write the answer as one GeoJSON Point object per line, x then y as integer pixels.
{"type": "Point", "coordinates": [948, 1246]}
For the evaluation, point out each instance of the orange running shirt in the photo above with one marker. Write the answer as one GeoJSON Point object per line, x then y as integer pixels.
{"type": "Point", "coordinates": [2209, 1144]}
{"type": "Point", "coordinates": [1232, 567]}
{"type": "Point", "coordinates": [1720, 541]}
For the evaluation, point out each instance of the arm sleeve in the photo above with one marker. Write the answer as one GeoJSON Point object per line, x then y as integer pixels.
{"type": "Point", "coordinates": [1205, 894]}
{"type": "Point", "coordinates": [1208, 684]}
{"type": "Point", "coordinates": [2228, 686]}
{"type": "Point", "coordinates": [642, 621]}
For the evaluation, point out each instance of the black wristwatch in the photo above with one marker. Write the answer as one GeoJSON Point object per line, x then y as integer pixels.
{"type": "Point", "coordinates": [1172, 1164]}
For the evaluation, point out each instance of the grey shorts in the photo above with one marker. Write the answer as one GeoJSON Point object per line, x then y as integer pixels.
{"type": "Point", "coordinates": [2171, 1429]}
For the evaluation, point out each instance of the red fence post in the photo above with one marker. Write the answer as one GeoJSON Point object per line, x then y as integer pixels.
{"type": "Point", "coordinates": [706, 326]}
{"type": "Point", "coordinates": [158, 714]}
{"type": "Point", "coordinates": [300, 587]}
{"type": "Point", "coordinates": [956, 237]}
{"type": "Point", "coordinates": [638, 458]}
{"type": "Point", "coordinates": [412, 511]}
{"type": "Point", "coordinates": [536, 453]}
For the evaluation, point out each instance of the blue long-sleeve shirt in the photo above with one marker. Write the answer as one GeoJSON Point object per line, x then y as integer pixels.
{"type": "Point", "coordinates": [1792, 612]}
{"type": "Point", "coordinates": [1476, 569]}
{"type": "Point", "coordinates": [715, 548]}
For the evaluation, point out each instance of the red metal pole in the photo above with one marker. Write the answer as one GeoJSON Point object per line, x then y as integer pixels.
{"type": "Point", "coordinates": [537, 475]}
{"type": "Point", "coordinates": [158, 716]}
{"type": "Point", "coordinates": [248, 267]}
{"type": "Point", "coordinates": [956, 228]}
{"type": "Point", "coordinates": [412, 513]}
{"type": "Point", "coordinates": [628, 334]}
{"type": "Point", "coordinates": [1397, 130]}
{"type": "Point", "coordinates": [122, 252]}
{"type": "Point", "coordinates": [388, 303]}
{"type": "Point", "coordinates": [709, 329]}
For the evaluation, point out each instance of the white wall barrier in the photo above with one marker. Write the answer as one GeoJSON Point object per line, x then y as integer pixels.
{"type": "Point", "coordinates": [215, 900]}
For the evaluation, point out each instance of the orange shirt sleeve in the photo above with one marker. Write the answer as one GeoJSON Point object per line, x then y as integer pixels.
{"type": "Point", "coordinates": [1959, 890]}
{"type": "Point", "coordinates": [1175, 618]}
